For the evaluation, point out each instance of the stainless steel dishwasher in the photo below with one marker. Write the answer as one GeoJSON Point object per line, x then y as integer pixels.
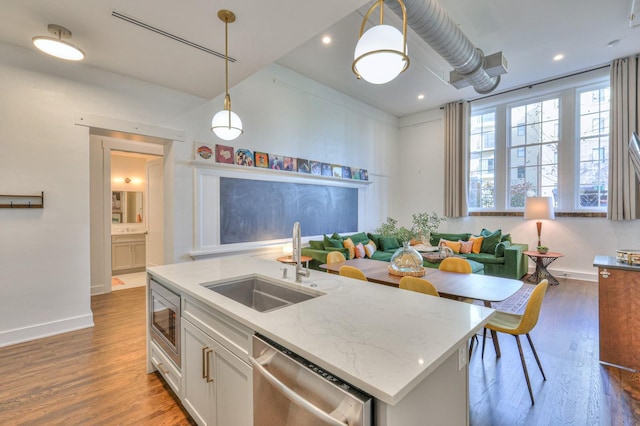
{"type": "Point", "coordinates": [288, 390]}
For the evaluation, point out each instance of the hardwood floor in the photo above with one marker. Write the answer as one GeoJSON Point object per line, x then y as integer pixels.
{"type": "Point", "coordinates": [97, 376]}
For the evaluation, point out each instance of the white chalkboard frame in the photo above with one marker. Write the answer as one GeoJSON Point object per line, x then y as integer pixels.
{"type": "Point", "coordinates": [207, 203]}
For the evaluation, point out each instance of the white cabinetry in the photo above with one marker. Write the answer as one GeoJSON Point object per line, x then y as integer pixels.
{"type": "Point", "coordinates": [128, 252]}
{"type": "Point", "coordinates": [217, 385]}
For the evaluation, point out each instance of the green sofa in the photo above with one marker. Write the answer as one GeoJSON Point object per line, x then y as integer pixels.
{"type": "Point", "coordinates": [500, 257]}
{"type": "Point", "coordinates": [319, 249]}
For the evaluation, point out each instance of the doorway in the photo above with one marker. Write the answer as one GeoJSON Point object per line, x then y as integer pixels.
{"type": "Point", "coordinates": [136, 217]}
{"type": "Point", "coordinates": [126, 203]}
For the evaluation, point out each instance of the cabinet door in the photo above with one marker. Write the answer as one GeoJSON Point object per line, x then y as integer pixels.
{"type": "Point", "coordinates": [121, 257]}
{"type": "Point", "coordinates": [138, 251]}
{"type": "Point", "coordinates": [198, 388]}
{"type": "Point", "coordinates": [234, 389]}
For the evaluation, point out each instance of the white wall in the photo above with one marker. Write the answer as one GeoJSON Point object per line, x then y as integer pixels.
{"type": "Point", "coordinates": [285, 113]}
{"type": "Point", "coordinates": [44, 254]}
{"type": "Point", "coordinates": [579, 239]}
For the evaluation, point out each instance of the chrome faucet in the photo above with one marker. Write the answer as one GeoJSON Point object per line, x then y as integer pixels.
{"type": "Point", "coordinates": [297, 255]}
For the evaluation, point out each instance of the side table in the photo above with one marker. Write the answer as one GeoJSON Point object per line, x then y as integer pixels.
{"type": "Point", "coordinates": [289, 260]}
{"type": "Point", "coordinates": [542, 261]}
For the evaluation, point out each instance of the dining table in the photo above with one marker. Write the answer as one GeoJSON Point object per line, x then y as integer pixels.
{"type": "Point", "coordinates": [485, 288]}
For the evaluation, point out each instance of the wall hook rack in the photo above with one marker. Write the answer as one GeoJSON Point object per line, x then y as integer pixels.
{"type": "Point", "coordinates": [22, 201]}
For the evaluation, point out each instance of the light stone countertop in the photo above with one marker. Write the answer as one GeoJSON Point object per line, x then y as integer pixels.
{"type": "Point", "coordinates": [380, 339]}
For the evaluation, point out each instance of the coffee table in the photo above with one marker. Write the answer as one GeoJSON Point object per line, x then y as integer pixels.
{"type": "Point", "coordinates": [542, 260]}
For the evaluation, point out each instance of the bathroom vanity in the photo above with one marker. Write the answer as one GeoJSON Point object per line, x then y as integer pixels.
{"type": "Point", "coordinates": [407, 350]}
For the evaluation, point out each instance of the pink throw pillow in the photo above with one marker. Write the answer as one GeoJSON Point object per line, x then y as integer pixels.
{"type": "Point", "coordinates": [466, 246]}
{"type": "Point", "coordinates": [359, 251]}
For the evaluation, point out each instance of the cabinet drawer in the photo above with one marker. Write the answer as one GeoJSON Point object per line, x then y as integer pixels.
{"type": "Point", "coordinates": [230, 333]}
{"type": "Point", "coordinates": [166, 368]}
{"type": "Point", "coordinates": [127, 238]}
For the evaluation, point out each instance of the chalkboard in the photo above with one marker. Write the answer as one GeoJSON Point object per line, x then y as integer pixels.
{"type": "Point", "coordinates": [256, 210]}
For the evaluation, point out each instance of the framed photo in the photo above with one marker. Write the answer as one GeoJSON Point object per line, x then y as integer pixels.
{"type": "Point", "coordinates": [346, 172]}
{"type": "Point", "coordinates": [355, 173]}
{"type": "Point", "coordinates": [224, 154]}
{"type": "Point", "coordinates": [364, 175]}
{"type": "Point", "coordinates": [203, 151]}
{"type": "Point", "coordinates": [116, 201]}
{"type": "Point", "coordinates": [303, 166]}
{"type": "Point", "coordinates": [290, 164]}
{"type": "Point", "coordinates": [116, 217]}
{"type": "Point", "coordinates": [337, 170]}
{"type": "Point", "coordinates": [244, 157]}
{"type": "Point", "coordinates": [275, 162]}
{"type": "Point", "coordinates": [315, 167]}
{"type": "Point", "coordinates": [326, 169]}
{"type": "Point", "coordinates": [262, 159]}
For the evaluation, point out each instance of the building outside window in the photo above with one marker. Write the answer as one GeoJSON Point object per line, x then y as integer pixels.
{"type": "Point", "coordinates": [553, 141]}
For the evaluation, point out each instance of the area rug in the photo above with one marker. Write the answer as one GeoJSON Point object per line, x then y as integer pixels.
{"type": "Point", "coordinates": [516, 303]}
{"type": "Point", "coordinates": [116, 281]}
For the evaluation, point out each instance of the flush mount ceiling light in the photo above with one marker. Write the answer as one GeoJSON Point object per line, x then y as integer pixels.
{"type": "Point", "coordinates": [226, 124]}
{"type": "Point", "coordinates": [55, 46]}
{"type": "Point", "coordinates": [381, 51]}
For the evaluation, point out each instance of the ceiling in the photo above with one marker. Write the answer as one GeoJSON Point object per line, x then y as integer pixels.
{"type": "Point", "coordinates": [529, 33]}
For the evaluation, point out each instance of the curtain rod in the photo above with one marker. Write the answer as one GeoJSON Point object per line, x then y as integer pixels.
{"type": "Point", "coordinates": [529, 86]}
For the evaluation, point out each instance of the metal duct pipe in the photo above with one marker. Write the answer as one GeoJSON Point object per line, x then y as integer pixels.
{"type": "Point", "coordinates": [430, 21]}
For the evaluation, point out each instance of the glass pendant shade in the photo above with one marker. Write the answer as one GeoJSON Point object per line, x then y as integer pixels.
{"type": "Point", "coordinates": [223, 128]}
{"type": "Point", "coordinates": [380, 54]}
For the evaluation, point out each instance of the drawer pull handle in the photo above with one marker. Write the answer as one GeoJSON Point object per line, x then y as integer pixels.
{"type": "Point", "coordinates": [208, 375]}
{"type": "Point", "coordinates": [605, 274]}
{"type": "Point", "coordinates": [204, 362]}
{"type": "Point", "coordinates": [163, 370]}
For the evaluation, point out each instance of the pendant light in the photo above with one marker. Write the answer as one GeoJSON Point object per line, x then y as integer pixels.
{"type": "Point", "coordinates": [55, 46]}
{"type": "Point", "coordinates": [381, 52]}
{"type": "Point", "coordinates": [226, 124]}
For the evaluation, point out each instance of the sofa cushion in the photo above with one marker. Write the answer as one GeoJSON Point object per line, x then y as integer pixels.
{"type": "Point", "coordinates": [385, 256]}
{"type": "Point", "coordinates": [388, 243]}
{"type": "Point", "coordinates": [332, 243]}
{"type": "Point", "coordinates": [466, 247]}
{"type": "Point", "coordinates": [485, 258]}
{"type": "Point", "coordinates": [336, 236]}
{"type": "Point", "coordinates": [436, 237]}
{"type": "Point", "coordinates": [375, 238]}
{"type": "Point", "coordinates": [506, 237]}
{"type": "Point", "coordinates": [500, 248]}
{"type": "Point", "coordinates": [316, 245]}
{"type": "Point", "coordinates": [453, 245]}
{"type": "Point", "coordinates": [370, 248]}
{"type": "Point", "coordinates": [490, 241]}
{"type": "Point", "coordinates": [360, 237]}
{"type": "Point", "coordinates": [477, 243]}
{"type": "Point", "coordinates": [359, 251]}
{"type": "Point", "coordinates": [348, 244]}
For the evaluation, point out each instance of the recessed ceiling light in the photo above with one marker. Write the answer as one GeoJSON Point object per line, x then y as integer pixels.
{"type": "Point", "coordinates": [420, 96]}
{"type": "Point", "coordinates": [326, 40]}
{"type": "Point", "coordinates": [54, 46]}
{"type": "Point", "coordinates": [558, 57]}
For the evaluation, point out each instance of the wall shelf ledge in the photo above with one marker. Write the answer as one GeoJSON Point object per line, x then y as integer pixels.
{"type": "Point", "coordinates": [22, 201]}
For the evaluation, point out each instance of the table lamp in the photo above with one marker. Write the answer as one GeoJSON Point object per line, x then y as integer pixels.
{"type": "Point", "coordinates": [539, 208]}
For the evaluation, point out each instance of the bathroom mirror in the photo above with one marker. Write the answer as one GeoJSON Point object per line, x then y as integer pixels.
{"type": "Point", "coordinates": [126, 207]}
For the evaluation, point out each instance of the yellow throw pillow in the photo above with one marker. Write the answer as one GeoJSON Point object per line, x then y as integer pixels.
{"type": "Point", "coordinates": [348, 244]}
{"type": "Point", "coordinates": [453, 245]}
{"type": "Point", "coordinates": [370, 248]}
{"type": "Point", "coordinates": [477, 243]}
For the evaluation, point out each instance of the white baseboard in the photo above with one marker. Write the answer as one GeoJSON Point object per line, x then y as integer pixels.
{"type": "Point", "coordinates": [574, 275]}
{"type": "Point", "coordinates": [38, 331]}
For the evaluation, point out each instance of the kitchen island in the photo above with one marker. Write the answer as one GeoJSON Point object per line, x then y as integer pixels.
{"type": "Point", "coordinates": [407, 350]}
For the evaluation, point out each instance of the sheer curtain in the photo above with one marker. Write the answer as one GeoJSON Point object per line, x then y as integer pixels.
{"type": "Point", "coordinates": [624, 119]}
{"type": "Point", "coordinates": [456, 119]}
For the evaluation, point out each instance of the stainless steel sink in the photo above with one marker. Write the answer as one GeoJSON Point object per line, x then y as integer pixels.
{"type": "Point", "coordinates": [262, 295]}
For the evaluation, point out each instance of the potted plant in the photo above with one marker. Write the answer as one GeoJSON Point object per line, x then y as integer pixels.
{"type": "Point", "coordinates": [424, 224]}
{"type": "Point", "coordinates": [542, 249]}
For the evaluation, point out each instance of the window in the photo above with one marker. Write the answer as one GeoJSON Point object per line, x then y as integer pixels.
{"type": "Point", "coordinates": [552, 143]}
{"type": "Point", "coordinates": [481, 164]}
{"type": "Point", "coordinates": [593, 142]}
